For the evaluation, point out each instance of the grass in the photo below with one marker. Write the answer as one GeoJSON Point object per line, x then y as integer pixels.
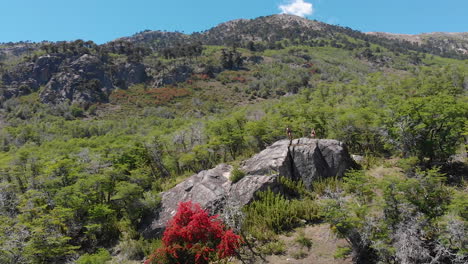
{"type": "Point", "coordinates": [300, 254]}
{"type": "Point", "coordinates": [274, 248]}
{"type": "Point", "coordinates": [303, 241]}
{"type": "Point", "coordinates": [342, 252]}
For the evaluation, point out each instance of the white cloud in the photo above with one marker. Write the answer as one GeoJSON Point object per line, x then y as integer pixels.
{"type": "Point", "coordinates": [297, 7]}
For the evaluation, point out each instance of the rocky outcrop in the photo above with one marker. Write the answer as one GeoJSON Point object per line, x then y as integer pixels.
{"type": "Point", "coordinates": [84, 82]}
{"type": "Point", "coordinates": [175, 75]}
{"type": "Point", "coordinates": [129, 74]}
{"type": "Point", "coordinates": [45, 67]}
{"type": "Point", "coordinates": [305, 159]}
{"type": "Point", "coordinates": [208, 188]}
{"type": "Point", "coordinates": [84, 79]}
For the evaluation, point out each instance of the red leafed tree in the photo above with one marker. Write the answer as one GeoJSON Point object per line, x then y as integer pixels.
{"type": "Point", "coordinates": [192, 236]}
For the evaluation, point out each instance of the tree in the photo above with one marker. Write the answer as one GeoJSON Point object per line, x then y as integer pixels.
{"type": "Point", "coordinates": [229, 133]}
{"type": "Point", "coordinates": [231, 59]}
{"type": "Point", "coordinates": [192, 236]}
{"type": "Point", "coordinates": [428, 127]}
{"type": "Point", "coordinates": [396, 219]}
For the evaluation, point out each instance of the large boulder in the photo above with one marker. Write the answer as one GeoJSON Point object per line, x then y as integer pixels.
{"type": "Point", "coordinates": [305, 159]}
{"type": "Point", "coordinates": [208, 188]}
{"type": "Point", "coordinates": [213, 190]}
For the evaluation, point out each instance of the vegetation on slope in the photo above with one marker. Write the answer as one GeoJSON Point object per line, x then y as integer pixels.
{"type": "Point", "coordinates": [76, 181]}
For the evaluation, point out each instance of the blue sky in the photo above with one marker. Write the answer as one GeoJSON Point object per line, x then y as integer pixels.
{"type": "Point", "coordinates": [104, 20]}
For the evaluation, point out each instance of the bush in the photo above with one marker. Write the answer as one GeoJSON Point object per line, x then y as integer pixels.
{"type": "Point", "coordinates": [236, 175]}
{"type": "Point", "coordinates": [192, 236]}
{"type": "Point", "coordinates": [398, 219]}
{"type": "Point", "coordinates": [300, 254]}
{"type": "Point", "coordinates": [100, 257]}
{"type": "Point", "coordinates": [76, 111]}
{"type": "Point", "coordinates": [342, 252]}
{"type": "Point", "coordinates": [304, 241]}
{"type": "Point", "coordinates": [274, 248]}
{"type": "Point", "coordinates": [273, 214]}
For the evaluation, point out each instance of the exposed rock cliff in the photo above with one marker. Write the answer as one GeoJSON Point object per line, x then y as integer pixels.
{"type": "Point", "coordinates": [84, 79]}
{"type": "Point", "coordinates": [83, 82]}
{"type": "Point", "coordinates": [305, 159]}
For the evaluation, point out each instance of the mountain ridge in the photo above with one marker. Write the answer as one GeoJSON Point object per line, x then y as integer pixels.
{"type": "Point", "coordinates": [457, 40]}
{"type": "Point", "coordinates": [85, 73]}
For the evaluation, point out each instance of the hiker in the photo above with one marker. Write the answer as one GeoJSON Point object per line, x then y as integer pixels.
{"type": "Point", "coordinates": [312, 133]}
{"type": "Point", "coordinates": [289, 133]}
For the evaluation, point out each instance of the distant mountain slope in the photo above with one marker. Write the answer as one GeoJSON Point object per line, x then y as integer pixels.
{"type": "Point", "coordinates": [269, 30]}
{"type": "Point", "coordinates": [443, 40]}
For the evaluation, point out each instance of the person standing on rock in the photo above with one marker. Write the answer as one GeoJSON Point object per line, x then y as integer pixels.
{"type": "Point", "coordinates": [312, 133]}
{"type": "Point", "coordinates": [289, 133]}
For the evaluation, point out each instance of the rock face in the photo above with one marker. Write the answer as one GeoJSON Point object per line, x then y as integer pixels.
{"type": "Point", "coordinates": [175, 75]}
{"type": "Point", "coordinates": [85, 82]}
{"type": "Point", "coordinates": [305, 159]}
{"type": "Point", "coordinates": [129, 74]}
{"type": "Point", "coordinates": [82, 79]}
{"type": "Point", "coordinates": [208, 188]}
{"type": "Point", "coordinates": [29, 76]}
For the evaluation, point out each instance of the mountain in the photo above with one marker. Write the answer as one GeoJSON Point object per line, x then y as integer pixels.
{"type": "Point", "coordinates": [85, 73]}
{"type": "Point", "coordinates": [269, 29]}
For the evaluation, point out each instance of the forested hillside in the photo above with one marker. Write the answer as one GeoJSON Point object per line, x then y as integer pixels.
{"type": "Point", "coordinates": [90, 135]}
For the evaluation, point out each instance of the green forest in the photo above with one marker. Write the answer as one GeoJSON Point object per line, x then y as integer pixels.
{"type": "Point", "coordinates": [77, 178]}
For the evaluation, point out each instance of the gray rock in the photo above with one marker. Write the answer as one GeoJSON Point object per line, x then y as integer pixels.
{"type": "Point", "coordinates": [272, 160]}
{"type": "Point", "coordinates": [357, 158]}
{"type": "Point", "coordinates": [84, 82]}
{"type": "Point", "coordinates": [305, 159]}
{"type": "Point", "coordinates": [208, 188]}
{"type": "Point", "coordinates": [175, 75]}
{"type": "Point", "coordinates": [44, 67]}
{"type": "Point", "coordinates": [129, 74]}
{"type": "Point", "coordinates": [313, 159]}
{"type": "Point", "coordinates": [67, 78]}
{"type": "Point", "coordinates": [243, 192]}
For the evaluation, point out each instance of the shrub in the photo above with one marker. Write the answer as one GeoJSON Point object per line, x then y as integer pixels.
{"type": "Point", "coordinates": [192, 236]}
{"type": "Point", "coordinates": [76, 111]}
{"type": "Point", "coordinates": [342, 252]}
{"type": "Point", "coordinates": [100, 257]}
{"type": "Point", "coordinates": [236, 175]}
{"type": "Point", "coordinates": [398, 219]}
{"type": "Point", "coordinates": [274, 248]}
{"type": "Point", "coordinates": [273, 214]}
{"type": "Point", "coordinates": [304, 241]}
{"type": "Point", "coordinates": [300, 254]}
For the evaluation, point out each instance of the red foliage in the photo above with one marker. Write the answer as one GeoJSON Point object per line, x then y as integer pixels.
{"type": "Point", "coordinates": [202, 76]}
{"type": "Point", "coordinates": [192, 236]}
{"type": "Point", "coordinates": [153, 96]}
{"type": "Point", "coordinates": [239, 79]}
